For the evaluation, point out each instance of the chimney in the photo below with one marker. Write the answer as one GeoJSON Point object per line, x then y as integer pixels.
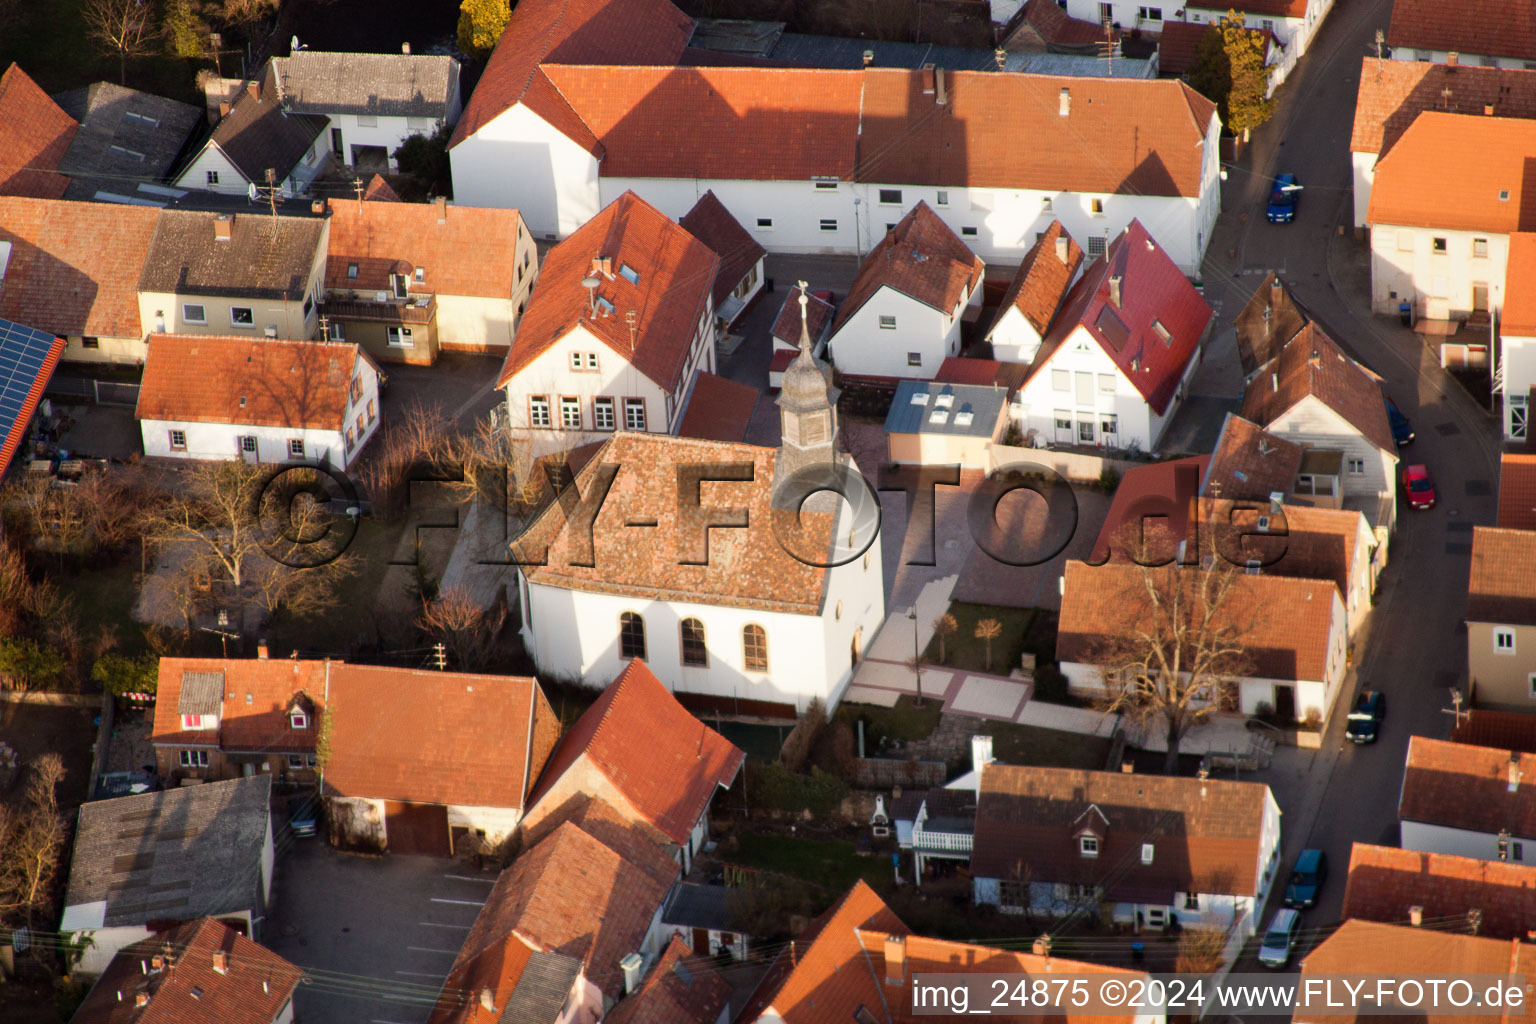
{"type": "Point", "coordinates": [141, 1000]}
{"type": "Point", "coordinates": [1514, 772]}
{"type": "Point", "coordinates": [442, 209]}
{"type": "Point", "coordinates": [1416, 916]}
{"type": "Point", "coordinates": [941, 96]}
{"type": "Point", "coordinates": [1114, 290]}
{"type": "Point", "coordinates": [1066, 102]}
{"type": "Point", "coordinates": [223, 226]}
{"type": "Point", "coordinates": [1276, 499]}
{"type": "Point", "coordinates": [254, 89]}
{"type": "Point", "coordinates": [220, 962]}
{"type": "Point", "coordinates": [1488, 109]}
{"type": "Point", "coordinates": [318, 207]}
{"type": "Point", "coordinates": [262, 650]}
{"type": "Point", "coordinates": [981, 751]}
{"type": "Point", "coordinates": [1452, 59]}
{"type": "Point", "coordinates": [1202, 775]}
{"type": "Point", "coordinates": [632, 966]}
{"type": "Point", "coordinates": [405, 48]}
{"type": "Point", "coordinates": [607, 266]}
{"type": "Point", "coordinates": [1275, 291]}
{"type": "Point", "coordinates": [223, 108]}
{"type": "Point", "coordinates": [1061, 248]}
{"type": "Point", "coordinates": [487, 1000]}
{"type": "Point", "coordinates": [1042, 946]}
{"type": "Point", "coordinates": [929, 85]}
{"type": "Point", "coordinates": [895, 959]}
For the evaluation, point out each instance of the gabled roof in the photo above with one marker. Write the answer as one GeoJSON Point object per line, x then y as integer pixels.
{"type": "Point", "coordinates": [1317, 543]}
{"type": "Point", "coordinates": [1421, 183]}
{"type": "Point", "coordinates": [719, 409]}
{"type": "Point", "coordinates": [1286, 623]}
{"type": "Point", "coordinates": [711, 223]}
{"type": "Point", "coordinates": [381, 84]}
{"type": "Point", "coordinates": [1178, 45]}
{"type": "Point", "coordinates": [172, 855]}
{"type": "Point", "coordinates": [1518, 317]}
{"type": "Point", "coordinates": [921, 258]}
{"type": "Point", "coordinates": [666, 763]}
{"type": "Point", "coordinates": [1270, 318]}
{"type": "Point", "coordinates": [194, 378]}
{"type": "Point", "coordinates": [125, 136]}
{"type": "Point", "coordinates": [464, 250]}
{"type": "Point", "coordinates": [250, 987]}
{"type": "Point", "coordinates": [818, 318]}
{"type": "Point", "coordinates": [436, 737]}
{"type": "Point", "coordinates": [1385, 882]}
{"type": "Point", "coordinates": [74, 267]}
{"type": "Point", "coordinates": [263, 257]}
{"type": "Point", "coordinates": [637, 841]}
{"type": "Point", "coordinates": [34, 136]}
{"type": "Point", "coordinates": [1205, 834]}
{"type": "Point", "coordinates": [1163, 491]}
{"type": "Point", "coordinates": [1155, 299]}
{"type": "Point", "coordinates": [784, 123]}
{"type": "Point", "coordinates": [1057, 28]}
{"type": "Point", "coordinates": [570, 32]}
{"type": "Point", "coordinates": [1250, 463]}
{"type": "Point", "coordinates": [1500, 586]}
{"type": "Point", "coordinates": [1040, 286]}
{"type": "Point", "coordinates": [378, 190]}
{"type": "Point", "coordinates": [674, 277]}
{"type": "Point", "coordinates": [1507, 730]}
{"type": "Point", "coordinates": [681, 989]}
{"type": "Point", "coordinates": [745, 569]}
{"type": "Point", "coordinates": [1393, 93]}
{"type": "Point", "coordinates": [1467, 787]}
{"type": "Point", "coordinates": [1311, 364]}
{"type": "Point", "coordinates": [1517, 490]}
{"type": "Point", "coordinates": [986, 372]}
{"type": "Point", "coordinates": [251, 697]}
{"type": "Point", "coordinates": [258, 134]}
{"type": "Point", "coordinates": [27, 359]}
{"type": "Point", "coordinates": [1499, 28]}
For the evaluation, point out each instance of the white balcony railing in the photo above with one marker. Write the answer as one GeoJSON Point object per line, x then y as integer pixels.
{"type": "Point", "coordinates": [947, 842]}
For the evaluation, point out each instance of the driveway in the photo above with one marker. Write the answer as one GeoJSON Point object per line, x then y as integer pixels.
{"type": "Point", "coordinates": [462, 385]}
{"type": "Point", "coordinates": [377, 934]}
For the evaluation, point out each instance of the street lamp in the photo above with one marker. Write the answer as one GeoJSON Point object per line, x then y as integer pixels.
{"type": "Point", "coordinates": [917, 664]}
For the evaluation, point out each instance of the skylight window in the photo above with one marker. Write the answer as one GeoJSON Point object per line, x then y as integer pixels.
{"type": "Point", "coordinates": [921, 398]}
{"type": "Point", "coordinates": [943, 401]}
{"type": "Point", "coordinates": [963, 419]}
{"type": "Point", "coordinates": [1161, 331]}
{"type": "Point", "coordinates": [938, 416]}
{"type": "Point", "coordinates": [1503, 195]}
{"type": "Point", "coordinates": [629, 273]}
{"type": "Point", "coordinates": [605, 306]}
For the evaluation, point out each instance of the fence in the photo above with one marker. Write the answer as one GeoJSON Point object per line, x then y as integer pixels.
{"type": "Point", "coordinates": [886, 773]}
{"type": "Point", "coordinates": [100, 392]}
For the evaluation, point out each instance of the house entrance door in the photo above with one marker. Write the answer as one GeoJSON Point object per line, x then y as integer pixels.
{"type": "Point", "coordinates": [1285, 702]}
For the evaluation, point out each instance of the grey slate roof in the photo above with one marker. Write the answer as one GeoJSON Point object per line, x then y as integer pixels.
{"type": "Point", "coordinates": [174, 855]}
{"type": "Point", "coordinates": [391, 84]}
{"type": "Point", "coordinates": [202, 693]}
{"type": "Point", "coordinates": [541, 989]}
{"type": "Point", "coordinates": [265, 257]}
{"type": "Point", "coordinates": [149, 132]}
{"type": "Point", "coordinates": [908, 416]}
{"type": "Point", "coordinates": [701, 906]}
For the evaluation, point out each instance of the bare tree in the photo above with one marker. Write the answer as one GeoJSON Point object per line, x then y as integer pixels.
{"type": "Point", "coordinates": [32, 837]}
{"type": "Point", "coordinates": [468, 631]}
{"type": "Point", "coordinates": [988, 630]}
{"type": "Point", "coordinates": [943, 626]}
{"type": "Point", "coordinates": [1179, 638]}
{"type": "Point", "coordinates": [124, 27]}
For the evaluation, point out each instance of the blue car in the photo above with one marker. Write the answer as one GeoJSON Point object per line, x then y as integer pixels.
{"type": "Point", "coordinates": [1402, 430]}
{"type": "Point", "coordinates": [1282, 199]}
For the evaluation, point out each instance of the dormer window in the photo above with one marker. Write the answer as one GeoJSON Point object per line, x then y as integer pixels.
{"type": "Point", "coordinates": [198, 723]}
{"type": "Point", "coordinates": [297, 719]}
{"type": "Point", "coordinates": [1088, 845]}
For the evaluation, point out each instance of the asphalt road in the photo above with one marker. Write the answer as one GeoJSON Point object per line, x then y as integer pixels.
{"type": "Point", "coordinates": [1414, 646]}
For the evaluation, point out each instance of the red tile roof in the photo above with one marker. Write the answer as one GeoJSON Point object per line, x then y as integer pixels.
{"type": "Point", "coordinates": [1250, 463]}
{"type": "Point", "coordinates": [1500, 585]}
{"type": "Point", "coordinates": [818, 315]}
{"type": "Point", "coordinates": [984, 372]}
{"type": "Point", "coordinates": [1055, 26]}
{"type": "Point", "coordinates": [1421, 183]}
{"type": "Point", "coordinates": [257, 695]}
{"type": "Point", "coordinates": [636, 840]}
{"type": "Point", "coordinates": [719, 409]}
{"type": "Point", "coordinates": [1153, 291]}
{"type": "Point", "coordinates": [777, 124]}
{"type": "Point", "coordinates": [1307, 543]}
{"type": "Point", "coordinates": [1507, 730]}
{"type": "Point", "coordinates": [921, 258]}
{"type": "Point", "coordinates": [253, 987]}
{"type": "Point", "coordinates": [569, 32]}
{"type": "Point", "coordinates": [1384, 882]}
{"type": "Point", "coordinates": [665, 762]}
{"type": "Point", "coordinates": [34, 136]}
{"type": "Point", "coordinates": [1311, 364]}
{"type": "Point", "coordinates": [1394, 92]}
{"type": "Point", "coordinates": [1500, 28]}
{"type": "Point", "coordinates": [1178, 46]}
{"type": "Point", "coordinates": [1040, 286]}
{"type": "Point", "coordinates": [676, 274]}
{"type": "Point", "coordinates": [746, 568]}
{"type": "Point", "coordinates": [1286, 623]}
{"type": "Point", "coordinates": [681, 989]}
{"type": "Point", "coordinates": [74, 267]}
{"type": "Point", "coordinates": [711, 223]}
{"type": "Point", "coordinates": [378, 190]}
{"type": "Point", "coordinates": [192, 378]}
{"type": "Point", "coordinates": [1270, 318]}
{"type": "Point", "coordinates": [1165, 490]}
{"type": "Point", "coordinates": [437, 737]}
{"type": "Point", "coordinates": [1517, 488]}
{"type": "Point", "coordinates": [1206, 833]}
{"type": "Point", "coordinates": [1262, 8]}
{"type": "Point", "coordinates": [465, 250]}
{"type": "Point", "coordinates": [1466, 787]}
{"type": "Point", "coordinates": [1519, 313]}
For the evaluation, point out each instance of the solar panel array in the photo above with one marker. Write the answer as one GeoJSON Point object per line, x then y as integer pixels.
{"type": "Point", "coordinates": [25, 354]}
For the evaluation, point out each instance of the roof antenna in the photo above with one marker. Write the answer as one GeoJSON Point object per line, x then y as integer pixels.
{"type": "Point", "coordinates": [631, 319]}
{"type": "Point", "coordinates": [590, 284]}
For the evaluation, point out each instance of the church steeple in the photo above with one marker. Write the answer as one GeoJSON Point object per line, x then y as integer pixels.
{"type": "Point", "coordinates": [807, 404]}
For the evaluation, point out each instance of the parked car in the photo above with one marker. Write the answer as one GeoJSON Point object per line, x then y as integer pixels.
{"type": "Point", "coordinates": [1402, 430]}
{"type": "Point", "coordinates": [1279, 939]}
{"type": "Point", "coordinates": [1282, 199]}
{"type": "Point", "coordinates": [1419, 487]}
{"type": "Point", "coordinates": [302, 820]}
{"type": "Point", "coordinates": [1365, 721]}
{"type": "Point", "coordinates": [1307, 879]}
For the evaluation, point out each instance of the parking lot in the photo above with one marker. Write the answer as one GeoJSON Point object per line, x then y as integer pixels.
{"type": "Point", "coordinates": [377, 934]}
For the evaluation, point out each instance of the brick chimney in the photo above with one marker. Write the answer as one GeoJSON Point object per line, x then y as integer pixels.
{"type": "Point", "coordinates": [220, 962]}
{"type": "Point", "coordinates": [1488, 109]}
{"type": "Point", "coordinates": [895, 959]}
{"type": "Point", "coordinates": [224, 226]}
{"type": "Point", "coordinates": [254, 89]}
{"type": "Point", "coordinates": [442, 209]}
{"type": "Point", "coordinates": [1065, 107]}
{"type": "Point", "coordinates": [941, 94]}
{"type": "Point", "coordinates": [487, 1000]}
{"type": "Point", "coordinates": [141, 1000]}
{"type": "Point", "coordinates": [1416, 916]}
{"type": "Point", "coordinates": [223, 108]}
{"type": "Point", "coordinates": [928, 79]}
{"type": "Point", "coordinates": [262, 650]}
{"type": "Point", "coordinates": [1061, 248]}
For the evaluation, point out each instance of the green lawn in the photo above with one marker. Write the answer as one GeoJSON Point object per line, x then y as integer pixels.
{"type": "Point", "coordinates": [1049, 748]}
{"type": "Point", "coordinates": [904, 722]}
{"type": "Point", "coordinates": [831, 864]}
{"type": "Point", "coordinates": [963, 650]}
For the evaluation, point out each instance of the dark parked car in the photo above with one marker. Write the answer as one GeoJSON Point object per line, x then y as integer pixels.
{"type": "Point", "coordinates": [1307, 879]}
{"type": "Point", "coordinates": [1282, 199]}
{"type": "Point", "coordinates": [302, 820]}
{"type": "Point", "coordinates": [1402, 430]}
{"type": "Point", "coordinates": [1365, 720]}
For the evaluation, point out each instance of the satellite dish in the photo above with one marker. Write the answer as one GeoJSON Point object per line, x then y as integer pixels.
{"type": "Point", "coordinates": [251, 191]}
{"type": "Point", "coordinates": [590, 282]}
{"type": "Point", "coordinates": [294, 44]}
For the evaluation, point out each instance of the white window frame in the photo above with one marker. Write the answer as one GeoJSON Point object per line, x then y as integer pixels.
{"type": "Point", "coordinates": [250, 312]}
{"type": "Point", "coordinates": [600, 406]}
{"type": "Point", "coordinates": [186, 313]}
{"type": "Point", "coordinates": [631, 407]}
{"type": "Point", "coordinates": [942, 198]}
{"type": "Point", "coordinates": [1500, 635]}
{"type": "Point", "coordinates": [297, 719]}
{"type": "Point", "coordinates": [890, 192]}
{"type": "Point", "coordinates": [1088, 846]}
{"type": "Point", "coordinates": [829, 223]}
{"type": "Point", "coordinates": [1356, 467]}
{"type": "Point", "coordinates": [192, 758]}
{"type": "Point", "coordinates": [295, 447]}
{"type": "Point", "coordinates": [539, 411]}
{"type": "Point", "coordinates": [177, 439]}
{"type": "Point", "coordinates": [295, 762]}
{"type": "Point", "coordinates": [1479, 248]}
{"type": "Point", "coordinates": [1530, 683]}
{"type": "Point", "coordinates": [887, 322]}
{"type": "Point", "coordinates": [400, 337]}
{"type": "Point", "coordinates": [570, 404]}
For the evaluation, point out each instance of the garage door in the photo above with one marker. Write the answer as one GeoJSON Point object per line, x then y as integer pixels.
{"type": "Point", "coordinates": [416, 828]}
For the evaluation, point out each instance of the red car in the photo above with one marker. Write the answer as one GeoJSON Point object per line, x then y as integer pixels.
{"type": "Point", "coordinates": [1419, 487]}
